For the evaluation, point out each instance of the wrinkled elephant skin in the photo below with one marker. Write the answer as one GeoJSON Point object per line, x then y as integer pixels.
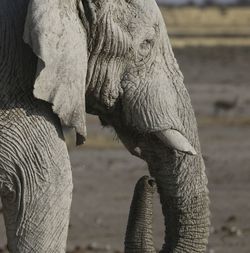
{"type": "Point", "coordinates": [62, 58]}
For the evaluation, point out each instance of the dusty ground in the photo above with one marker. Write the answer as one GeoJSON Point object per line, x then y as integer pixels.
{"type": "Point", "coordinates": [105, 173]}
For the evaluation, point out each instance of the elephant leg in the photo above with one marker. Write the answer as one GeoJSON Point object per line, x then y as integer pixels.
{"type": "Point", "coordinates": [35, 184]}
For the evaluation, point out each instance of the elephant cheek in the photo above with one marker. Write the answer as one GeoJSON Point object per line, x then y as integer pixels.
{"type": "Point", "coordinates": [150, 105]}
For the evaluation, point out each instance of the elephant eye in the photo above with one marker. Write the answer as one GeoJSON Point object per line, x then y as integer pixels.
{"type": "Point", "coordinates": [145, 47]}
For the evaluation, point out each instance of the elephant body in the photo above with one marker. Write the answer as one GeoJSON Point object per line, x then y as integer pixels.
{"type": "Point", "coordinates": [35, 172]}
{"type": "Point", "coordinates": [54, 54]}
{"type": "Point", "coordinates": [35, 180]}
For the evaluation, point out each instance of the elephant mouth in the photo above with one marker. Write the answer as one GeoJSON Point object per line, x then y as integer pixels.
{"type": "Point", "coordinates": [171, 140]}
{"type": "Point", "coordinates": [137, 141]}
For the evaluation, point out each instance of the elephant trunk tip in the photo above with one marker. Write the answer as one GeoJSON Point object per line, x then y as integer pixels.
{"type": "Point", "coordinates": [152, 183]}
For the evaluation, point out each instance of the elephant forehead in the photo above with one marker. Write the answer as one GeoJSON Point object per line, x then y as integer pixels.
{"type": "Point", "coordinates": [135, 16]}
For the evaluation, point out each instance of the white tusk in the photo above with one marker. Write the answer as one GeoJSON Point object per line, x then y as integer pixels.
{"type": "Point", "coordinates": [174, 139]}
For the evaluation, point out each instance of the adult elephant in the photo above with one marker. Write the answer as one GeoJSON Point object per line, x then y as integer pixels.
{"type": "Point", "coordinates": [117, 55]}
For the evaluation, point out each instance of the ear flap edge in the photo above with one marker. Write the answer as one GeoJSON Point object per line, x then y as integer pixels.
{"type": "Point", "coordinates": [55, 33]}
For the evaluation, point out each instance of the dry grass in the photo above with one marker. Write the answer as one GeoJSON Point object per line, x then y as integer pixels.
{"type": "Point", "coordinates": [192, 26]}
{"type": "Point", "coordinates": [207, 17]}
{"type": "Point", "coordinates": [224, 121]}
{"type": "Point", "coordinates": [102, 142]}
{"type": "Point", "coordinates": [95, 141]}
{"type": "Point", "coordinates": [209, 42]}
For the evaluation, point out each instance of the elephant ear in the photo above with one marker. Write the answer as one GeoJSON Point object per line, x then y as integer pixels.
{"type": "Point", "coordinates": [57, 36]}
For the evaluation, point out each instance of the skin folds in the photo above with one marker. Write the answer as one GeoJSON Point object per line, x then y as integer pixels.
{"type": "Point", "coordinates": [63, 58]}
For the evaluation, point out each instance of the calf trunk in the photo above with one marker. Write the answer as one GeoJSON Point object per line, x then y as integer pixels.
{"type": "Point", "coordinates": [139, 238]}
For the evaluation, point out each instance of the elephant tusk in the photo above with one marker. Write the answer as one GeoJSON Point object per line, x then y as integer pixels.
{"type": "Point", "coordinates": [174, 139]}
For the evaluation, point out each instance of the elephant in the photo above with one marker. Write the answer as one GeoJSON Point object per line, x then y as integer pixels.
{"type": "Point", "coordinates": [61, 59]}
{"type": "Point", "coordinates": [139, 234]}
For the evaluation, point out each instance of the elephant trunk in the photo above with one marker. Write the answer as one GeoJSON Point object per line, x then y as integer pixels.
{"type": "Point", "coordinates": [139, 238]}
{"type": "Point", "coordinates": [181, 183]}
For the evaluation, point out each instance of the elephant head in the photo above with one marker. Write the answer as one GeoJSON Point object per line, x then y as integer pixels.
{"type": "Point", "coordinates": [116, 54]}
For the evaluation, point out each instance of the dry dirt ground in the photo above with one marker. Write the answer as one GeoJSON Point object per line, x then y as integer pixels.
{"type": "Point", "coordinates": [105, 173]}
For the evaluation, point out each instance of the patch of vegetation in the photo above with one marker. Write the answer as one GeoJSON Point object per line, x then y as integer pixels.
{"type": "Point", "coordinates": [224, 121]}
{"type": "Point", "coordinates": [208, 26]}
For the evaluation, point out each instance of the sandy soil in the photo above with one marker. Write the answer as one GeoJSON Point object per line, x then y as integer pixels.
{"type": "Point", "coordinates": [105, 173]}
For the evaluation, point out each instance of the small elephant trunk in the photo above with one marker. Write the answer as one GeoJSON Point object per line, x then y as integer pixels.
{"type": "Point", "coordinates": [139, 235]}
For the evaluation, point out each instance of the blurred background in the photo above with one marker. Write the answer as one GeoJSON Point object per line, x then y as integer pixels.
{"type": "Point", "coordinates": [211, 41]}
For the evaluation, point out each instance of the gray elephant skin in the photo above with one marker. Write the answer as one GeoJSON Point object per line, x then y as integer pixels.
{"type": "Point", "coordinates": [62, 58]}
